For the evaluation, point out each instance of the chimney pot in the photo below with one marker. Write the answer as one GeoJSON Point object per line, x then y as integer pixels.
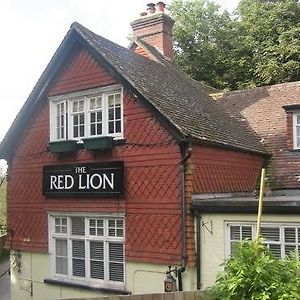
{"type": "Point", "coordinates": [160, 6]}
{"type": "Point", "coordinates": [150, 8]}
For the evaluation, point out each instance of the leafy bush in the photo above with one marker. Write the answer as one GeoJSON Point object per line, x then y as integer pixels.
{"type": "Point", "coordinates": [253, 273]}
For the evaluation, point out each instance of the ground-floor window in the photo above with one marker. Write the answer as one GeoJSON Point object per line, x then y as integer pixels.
{"type": "Point", "coordinates": [87, 249]}
{"type": "Point", "coordinates": [281, 239]}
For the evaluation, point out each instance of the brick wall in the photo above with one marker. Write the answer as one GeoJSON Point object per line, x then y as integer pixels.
{"type": "Point", "coordinates": [156, 30]}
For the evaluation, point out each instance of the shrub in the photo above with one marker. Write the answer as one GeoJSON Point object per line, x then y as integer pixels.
{"type": "Point", "coordinates": [253, 273]}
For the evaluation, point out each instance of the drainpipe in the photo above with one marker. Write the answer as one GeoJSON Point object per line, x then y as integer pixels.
{"type": "Point", "coordinates": [198, 251]}
{"type": "Point", "coordinates": [187, 154]}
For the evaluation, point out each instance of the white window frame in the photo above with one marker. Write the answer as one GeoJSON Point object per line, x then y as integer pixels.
{"type": "Point", "coordinates": [106, 239]}
{"type": "Point", "coordinates": [85, 96]}
{"type": "Point", "coordinates": [281, 241]}
{"type": "Point", "coordinates": [295, 125]}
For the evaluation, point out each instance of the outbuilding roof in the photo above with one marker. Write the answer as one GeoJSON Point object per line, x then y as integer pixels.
{"type": "Point", "coordinates": [182, 102]}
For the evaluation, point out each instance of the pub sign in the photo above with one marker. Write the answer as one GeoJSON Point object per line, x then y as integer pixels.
{"type": "Point", "coordinates": [84, 180]}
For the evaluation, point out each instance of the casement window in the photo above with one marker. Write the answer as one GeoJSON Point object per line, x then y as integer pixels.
{"type": "Point", "coordinates": [280, 239]}
{"type": "Point", "coordinates": [296, 130]}
{"type": "Point", "coordinates": [87, 250]}
{"type": "Point", "coordinates": [87, 114]}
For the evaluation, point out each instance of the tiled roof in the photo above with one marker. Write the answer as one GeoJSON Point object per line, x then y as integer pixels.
{"type": "Point", "coordinates": [181, 101]}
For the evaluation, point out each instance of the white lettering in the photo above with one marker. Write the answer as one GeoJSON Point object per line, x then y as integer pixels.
{"type": "Point", "coordinates": [80, 186]}
{"type": "Point", "coordinates": [60, 183]}
{"type": "Point", "coordinates": [80, 170]}
{"type": "Point", "coordinates": [109, 182]}
{"type": "Point", "coordinates": [53, 180]}
{"type": "Point", "coordinates": [70, 181]}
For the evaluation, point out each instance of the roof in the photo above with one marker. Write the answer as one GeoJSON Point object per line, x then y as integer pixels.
{"type": "Point", "coordinates": [183, 103]}
{"type": "Point", "coordinates": [280, 204]}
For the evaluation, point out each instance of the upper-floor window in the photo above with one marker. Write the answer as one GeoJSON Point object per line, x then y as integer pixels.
{"type": "Point", "coordinates": [91, 113]}
{"type": "Point", "coordinates": [281, 239]}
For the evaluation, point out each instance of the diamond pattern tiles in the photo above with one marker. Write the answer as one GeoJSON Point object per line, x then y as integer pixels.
{"type": "Point", "coordinates": [223, 171]}
{"type": "Point", "coordinates": [153, 184]}
{"type": "Point", "coordinates": [153, 233]}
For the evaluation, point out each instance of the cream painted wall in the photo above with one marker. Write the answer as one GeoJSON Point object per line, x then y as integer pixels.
{"type": "Point", "coordinates": [213, 245]}
{"type": "Point", "coordinates": [141, 278]}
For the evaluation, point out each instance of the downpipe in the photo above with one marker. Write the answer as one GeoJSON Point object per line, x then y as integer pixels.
{"type": "Point", "coordinates": [185, 157]}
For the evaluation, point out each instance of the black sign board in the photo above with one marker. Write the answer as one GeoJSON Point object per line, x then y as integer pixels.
{"type": "Point", "coordinates": [84, 180]}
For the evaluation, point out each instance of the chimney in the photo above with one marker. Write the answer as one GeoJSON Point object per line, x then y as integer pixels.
{"type": "Point", "coordinates": [155, 28]}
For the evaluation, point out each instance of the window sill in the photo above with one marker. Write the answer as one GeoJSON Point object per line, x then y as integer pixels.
{"type": "Point", "coordinates": [63, 146]}
{"type": "Point", "coordinates": [116, 291]}
{"type": "Point", "coordinates": [103, 143]}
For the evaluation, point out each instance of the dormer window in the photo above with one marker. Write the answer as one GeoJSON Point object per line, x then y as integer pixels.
{"type": "Point", "coordinates": [293, 126]}
{"type": "Point", "coordinates": [87, 114]}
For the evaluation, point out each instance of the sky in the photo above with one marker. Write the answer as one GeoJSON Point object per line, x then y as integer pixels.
{"type": "Point", "coordinates": [31, 31]}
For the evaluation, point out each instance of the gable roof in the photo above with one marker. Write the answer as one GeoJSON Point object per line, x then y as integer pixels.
{"type": "Point", "coordinates": [182, 103]}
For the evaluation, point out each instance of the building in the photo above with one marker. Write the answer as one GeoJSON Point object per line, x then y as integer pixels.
{"type": "Point", "coordinates": [105, 158]}
{"type": "Point", "coordinates": [273, 113]}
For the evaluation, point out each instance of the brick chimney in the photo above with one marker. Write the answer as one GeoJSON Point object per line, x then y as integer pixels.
{"type": "Point", "coordinates": [155, 28]}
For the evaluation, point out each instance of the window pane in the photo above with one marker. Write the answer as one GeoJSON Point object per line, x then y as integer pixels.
{"type": "Point", "coordinates": [270, 233]}
{"type": "Point", "coordinates": [96, 250]}
{"type": "Point", "coordinates": [118, 126]}
{"type": "Point", "coordinates": [78, 267]}
{"type": "Point", "coordinates": [61, 264]}
{"type": "Point", "coordinates": [78, 253]}
{"type": "Point", "coordinates": [110, 127]}
{"type": "Point", "coordinates": [235, 233]}
{"type": "Point", "coordinates": [111, 114]}
{"type": "Point", "coordinates": [290, 235]}
{"type": "Point", "coordinates": [298, 119]}
{"type": "Point", "coordinates": [61, 256]}
{"type": "Point", "coordinates": [78, 226]}
{"type": "Point", "coordinates": [116, 252]}
{"type": "Point", "coordinates": [290, 249]}
{"type": "Point", "coordinates": [246, 232]}
{"type": "Point", "coordinates": [116, 258]}
{"type": "Point", "coordinates": [275, 249]}
{"type": "Point", "coordinates": [97, 269]}
{"type": "Point", "coordinates": [97, 257]}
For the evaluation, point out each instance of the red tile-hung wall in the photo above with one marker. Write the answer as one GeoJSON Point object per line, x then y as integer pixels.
{"type": "Point", "coordinates": [224, 171]}
{"type": "Point", "coordinates": [151, 200]}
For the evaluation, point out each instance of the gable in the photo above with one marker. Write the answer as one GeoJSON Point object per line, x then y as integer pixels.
{"type": "Point", "coordinates": [81, 71]}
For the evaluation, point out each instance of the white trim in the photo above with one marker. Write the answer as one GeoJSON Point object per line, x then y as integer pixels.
{"type": "Point", "coordinates": [280, 226]}
{"type": "Point", "coordinates": [85, 96]}
{"type": "Point", "coordinates": [295, 114]}
{"type": "Point", "coordinates": [105, 239]}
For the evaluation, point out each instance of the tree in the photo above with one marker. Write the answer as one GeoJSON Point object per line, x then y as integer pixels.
{"type": "Point", "coordinates": [258, 45]}
{"type": "Point", "coordinates": [254, 273]}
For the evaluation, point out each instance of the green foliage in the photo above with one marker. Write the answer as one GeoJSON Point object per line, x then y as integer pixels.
{"type": "Point", "coordinates": [258, 45]}
{"type": "Point", "coordinates": [253, 273]}
{"type": "Point", "coordinates": [2, 207]}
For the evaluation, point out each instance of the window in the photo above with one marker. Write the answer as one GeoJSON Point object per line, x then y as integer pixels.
{"type": "Point", "coordinates": [296, 130]}
{"type": "Point", "coordinates": [92, 113]}
{"type": "Point", "coordinates": [280, 239]}
{"type": "Point", "coordinates": [87, 250]}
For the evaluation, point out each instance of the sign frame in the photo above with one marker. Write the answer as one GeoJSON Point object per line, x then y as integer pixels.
{"type": "Point", "coordinates": [84, 180]}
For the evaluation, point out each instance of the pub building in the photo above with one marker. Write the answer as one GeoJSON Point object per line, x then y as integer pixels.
{"type": "Point", "coordinates": [104, 159]}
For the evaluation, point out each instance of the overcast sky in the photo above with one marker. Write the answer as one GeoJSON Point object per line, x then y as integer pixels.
{"type": "Point", "coordinates": [31, 31]}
